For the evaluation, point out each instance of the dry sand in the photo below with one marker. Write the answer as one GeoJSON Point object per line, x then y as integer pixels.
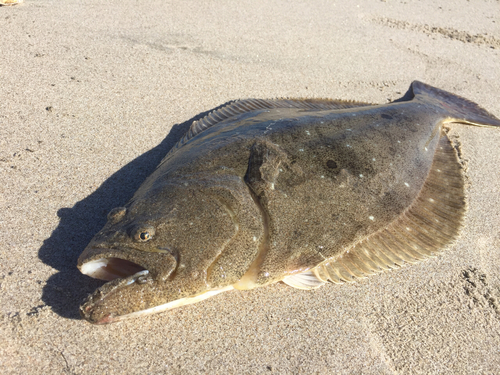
{"type": "Point", "coordinates": [94, 93]}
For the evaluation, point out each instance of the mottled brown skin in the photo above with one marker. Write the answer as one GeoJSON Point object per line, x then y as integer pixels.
{"type": "Point", "coordinates": [194, 220]}
{"type": "Point", "coordinates": [274, 191]}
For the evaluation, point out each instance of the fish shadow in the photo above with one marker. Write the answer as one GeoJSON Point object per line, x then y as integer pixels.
{"type": "Point", "coordinates": [65, 290]}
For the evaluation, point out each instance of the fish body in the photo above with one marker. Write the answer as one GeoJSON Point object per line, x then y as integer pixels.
{"type": "Point", "coordinates": [300, 191]}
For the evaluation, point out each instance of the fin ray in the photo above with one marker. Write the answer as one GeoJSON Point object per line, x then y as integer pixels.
{"type": "Point", "coordinates": [304, 280]}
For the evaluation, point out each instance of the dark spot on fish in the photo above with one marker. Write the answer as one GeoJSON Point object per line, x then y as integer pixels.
{"type": "Point", "coordinates": [331, 164]}
{"type": "Point", "coordinates": [388, 117]}
{"type": "Point", "coordinates": [348, 158]}
{"type": "Point", "coordinates": [297, 234]}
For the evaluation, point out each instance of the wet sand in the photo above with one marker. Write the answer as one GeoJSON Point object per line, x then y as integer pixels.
{"type": "Point", "coordinates": [93, 95]}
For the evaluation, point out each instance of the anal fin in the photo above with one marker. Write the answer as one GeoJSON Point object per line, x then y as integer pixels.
{"type": "Point", "coordinates": [427, 228]}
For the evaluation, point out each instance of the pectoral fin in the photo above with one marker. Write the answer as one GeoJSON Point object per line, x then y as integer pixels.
{"type": "Point", "coordinates": [263, 167]}
{"type": "Point", "coordinates": [305, 280]}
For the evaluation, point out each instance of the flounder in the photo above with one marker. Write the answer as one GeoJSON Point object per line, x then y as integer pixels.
{"type": "Point", "coordinates": [304, 191]}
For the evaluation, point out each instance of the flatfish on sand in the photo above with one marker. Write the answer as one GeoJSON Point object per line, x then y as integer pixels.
{"type": "Point", "coordinates": [304, 191]}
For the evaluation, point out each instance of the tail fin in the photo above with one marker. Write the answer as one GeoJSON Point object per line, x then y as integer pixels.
{"type": "Point", "coordinates": [459, 109]}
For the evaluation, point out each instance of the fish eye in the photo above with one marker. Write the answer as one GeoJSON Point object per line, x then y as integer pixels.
{"type": "Point", "coordinates": [144, 233]}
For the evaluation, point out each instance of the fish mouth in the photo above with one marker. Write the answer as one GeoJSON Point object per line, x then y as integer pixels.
{"type": "Point", "coordinates": [122, 274]}
{"type": "Point", "coordinates": [135, 280]}
{"type": "Point", "coordinates": [89, 310]}
{"type": "Point", "coordinates": [111, 268]}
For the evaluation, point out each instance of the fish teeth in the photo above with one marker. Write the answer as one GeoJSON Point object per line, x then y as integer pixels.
{"type": "Point", "coordinates": [140, 277]}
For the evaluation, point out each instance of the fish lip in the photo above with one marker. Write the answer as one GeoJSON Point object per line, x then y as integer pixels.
{"type": "Point", "coordinates": [89, 307]}
{"type": "Point", "coordinates": [92, 301]}
{"type": "Point", "coordinates": [106, 320]}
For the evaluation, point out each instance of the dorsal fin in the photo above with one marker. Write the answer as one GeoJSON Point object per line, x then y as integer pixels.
{"type": "Point", "coordinates": [429, 226]}
{"type": "Point", "coordinates": [248, 105]}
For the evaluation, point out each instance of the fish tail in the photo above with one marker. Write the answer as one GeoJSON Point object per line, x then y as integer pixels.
{"type": "Point", "coordinates": [458, 109]}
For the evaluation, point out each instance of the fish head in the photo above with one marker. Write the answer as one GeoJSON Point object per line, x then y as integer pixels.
{"type": "Point", "coordinates": [156, 251]}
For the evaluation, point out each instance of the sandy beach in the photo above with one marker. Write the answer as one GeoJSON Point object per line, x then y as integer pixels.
{"type": "Point", "coordinates": [94, 94]}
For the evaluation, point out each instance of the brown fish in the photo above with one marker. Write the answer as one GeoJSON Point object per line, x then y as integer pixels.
{"type": "Point", "coordinates": [303, 191]}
